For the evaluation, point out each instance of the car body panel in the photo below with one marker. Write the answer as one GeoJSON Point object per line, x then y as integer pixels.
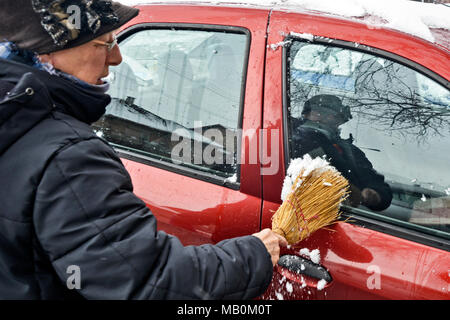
{"type": "Point", "coordinates": [195, 212]}
{"type": "Point", "coordinates": [364, 263]}
{"type": "Point", "coordinates": [353, 255]}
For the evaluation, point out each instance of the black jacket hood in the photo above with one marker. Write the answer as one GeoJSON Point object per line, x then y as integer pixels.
{"type": "Point", "coordinates": [28, 95]}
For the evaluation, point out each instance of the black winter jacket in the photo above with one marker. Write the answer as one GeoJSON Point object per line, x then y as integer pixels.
{"type": "Point", "coordinates": [308, 137]}
{"type": "Point", "coordinates": [67, 204]}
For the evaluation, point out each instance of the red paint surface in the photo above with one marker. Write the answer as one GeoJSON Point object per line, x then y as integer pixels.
{"type": "Point", "coordinates": [200, 212]}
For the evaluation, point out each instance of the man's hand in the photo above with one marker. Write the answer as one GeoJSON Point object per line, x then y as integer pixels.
{"type": "Point", "coordinates": [272, 241]}
{"type": "Point", "coordinates": [355, 197]}
{"type": "Point", "coordinates": [370, 197]}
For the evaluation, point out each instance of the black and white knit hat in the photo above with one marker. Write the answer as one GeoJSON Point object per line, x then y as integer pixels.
{"type": "Point", "coordinates": [45, 26]}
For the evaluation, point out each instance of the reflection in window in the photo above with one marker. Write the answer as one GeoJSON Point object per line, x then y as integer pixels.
{"type": "Point", "coordinates": [176, 96]}
{"type": "Point", "coordinates": [391, 131]}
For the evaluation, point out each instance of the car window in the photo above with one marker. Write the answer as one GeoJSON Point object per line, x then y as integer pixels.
{"type": "Point", "coordinates": [176, 97]}
{"type": "Point", "coordinates": [385, 126]}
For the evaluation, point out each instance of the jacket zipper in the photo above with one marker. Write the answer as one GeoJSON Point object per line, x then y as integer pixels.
{"type": "Point", "coordinates": [28, 91]}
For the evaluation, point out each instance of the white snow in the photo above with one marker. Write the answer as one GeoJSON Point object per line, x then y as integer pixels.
{"type": "Point", "coordinates": [303, 282]}
{"type": "Point", "coordinates": [296, 166]}
{"type": "Point", "coordinates": [275, 46]}
{"type": "Point", "coordinates": [289, 287]}
{"type": "Point", "coordinates": [232, 179]}
{"type": "Point", "coordinates": [99, 133]}
{"type": "Point", "coordinates": [412, 17]}
{"type": "Point", "coordinates": [314, 255]}
{"type": "Point", "coordinates": [321, 284]}
{"type": "Point", "coordinates": [304, 252]}
{"type": "Point", "coordinates": [287, 187]}
{"type": "Point", "coordinates": [306, 36]}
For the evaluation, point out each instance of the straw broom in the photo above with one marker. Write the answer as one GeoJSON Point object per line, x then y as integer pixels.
{"type": "Point", "coordinates": [312, 194]}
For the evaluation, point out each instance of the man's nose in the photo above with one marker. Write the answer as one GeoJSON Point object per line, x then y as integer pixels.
{"type": "Point", "coordinates": [114, 57]}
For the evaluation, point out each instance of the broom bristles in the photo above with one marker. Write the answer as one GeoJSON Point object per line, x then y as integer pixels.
{"type": "Point", "coordinates": [313, 203]}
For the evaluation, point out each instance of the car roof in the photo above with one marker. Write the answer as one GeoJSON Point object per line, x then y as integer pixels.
{"type": "Point", "coordinates": [427, 21]}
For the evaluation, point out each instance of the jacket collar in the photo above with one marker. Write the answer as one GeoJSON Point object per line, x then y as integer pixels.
{"type": "Point", "coordinates": [30, 94]}
{"type": "Point", "coordinates": [87, 104]}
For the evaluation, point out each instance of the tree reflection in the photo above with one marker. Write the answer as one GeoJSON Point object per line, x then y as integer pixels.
{"type": "Point", "coordinates": [398, 99]}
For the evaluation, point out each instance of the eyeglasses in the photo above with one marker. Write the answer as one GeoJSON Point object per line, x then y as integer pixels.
{"type": "Point", "coordinates": [109, 45]}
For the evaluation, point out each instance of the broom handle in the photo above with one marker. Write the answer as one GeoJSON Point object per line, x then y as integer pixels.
{"type": "Point", "coordinates": [280, 232]}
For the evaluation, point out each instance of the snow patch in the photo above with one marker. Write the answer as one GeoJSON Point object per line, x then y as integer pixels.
{"type": "Point", "coordinates": [411, 17]}
{"type": "Point", "coordinates": [279, 296]}
{"type": "Point", "coordinates": [296, 166]}
{"type": "Point", "coordinates": [289, 287]}
{"type": "Point", "coordinates": [275, 46]}
{"type": "Point", "coordinates": [304, 252]}
{"type": "Point", "coordinates": [321, 284]}
{"type": "Point", "coordinates": [306, 36]}
{"type": "Point", "coordinates": [231, 179]}
{"type": "Point", "coordinates": [315, 256]}
{"type": "Point", "coordinates": [99, 133]}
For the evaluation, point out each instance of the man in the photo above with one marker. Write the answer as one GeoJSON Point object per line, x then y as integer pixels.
{"type": "Point", "coordinates": [317, 133]}
{"type": "Point", "coordinates": [70, 225]}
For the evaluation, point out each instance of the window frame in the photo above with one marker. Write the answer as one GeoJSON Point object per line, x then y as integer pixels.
{"type": "Point", "coordinates": [134, 155]}
{"type": "Point", "coordinates": [352, 215]}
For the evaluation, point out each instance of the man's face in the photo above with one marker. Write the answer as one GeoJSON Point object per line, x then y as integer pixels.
{"type": "Point", "coordinates": [89, 62]}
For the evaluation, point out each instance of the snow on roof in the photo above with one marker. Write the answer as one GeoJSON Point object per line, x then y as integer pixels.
{"type": "Point", "coordinates": [411, 17]}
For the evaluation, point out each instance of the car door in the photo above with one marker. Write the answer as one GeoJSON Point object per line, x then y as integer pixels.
{"type": "Point", "coordinates": [185, 100]}
{"type": "Point", "coordinates": [397, 91]}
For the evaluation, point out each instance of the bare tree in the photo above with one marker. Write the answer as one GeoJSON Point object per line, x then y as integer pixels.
{"type": "Point", "coordinates": [383, 92]}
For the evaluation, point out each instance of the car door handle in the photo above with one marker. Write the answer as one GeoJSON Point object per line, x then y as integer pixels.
{"type": "Point", "coordinates": [299, 265]}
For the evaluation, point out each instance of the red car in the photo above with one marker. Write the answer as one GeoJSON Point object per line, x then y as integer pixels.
{"type": "Point", "coordinates": [206, 113]}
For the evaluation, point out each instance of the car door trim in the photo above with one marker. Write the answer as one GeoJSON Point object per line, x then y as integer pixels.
{"type": "Point", "coordinates": [366, 221]}
{"type": "Point", "coordinates": [129, 154]}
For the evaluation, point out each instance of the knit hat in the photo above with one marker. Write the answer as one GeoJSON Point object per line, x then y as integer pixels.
{"type": "Point", "coordinates": [330, 102]}
{"type": "Point", "coordinates": [45, 26]}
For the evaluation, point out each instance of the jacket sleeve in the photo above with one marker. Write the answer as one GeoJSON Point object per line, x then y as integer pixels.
{"type": "Point", "coordinates": [87, 216]}
{"type": "Point", "coordinates": [370, 178]}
